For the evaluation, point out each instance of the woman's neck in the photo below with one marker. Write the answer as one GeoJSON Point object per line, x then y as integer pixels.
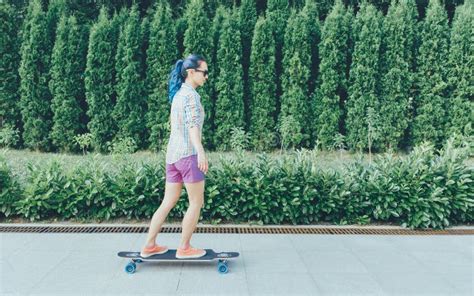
{"type": "Point", "coordinates": [193, 85]}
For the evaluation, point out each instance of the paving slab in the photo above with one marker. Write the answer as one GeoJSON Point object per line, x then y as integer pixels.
{"type": "Point", "coordinates": [269, 264]}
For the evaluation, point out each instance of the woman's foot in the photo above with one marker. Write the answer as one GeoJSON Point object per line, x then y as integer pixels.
{"type": "Point", "coordinates": [155, 250]}
{"type": "Point", "coordinates": [190, 253]}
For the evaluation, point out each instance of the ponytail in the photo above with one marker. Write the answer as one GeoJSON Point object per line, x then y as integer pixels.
{"type": "Point", "coordinates": [176, 79]}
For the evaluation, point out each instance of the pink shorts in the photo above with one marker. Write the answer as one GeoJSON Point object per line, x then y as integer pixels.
{"type": "Point", "coordinates": [184, 170]}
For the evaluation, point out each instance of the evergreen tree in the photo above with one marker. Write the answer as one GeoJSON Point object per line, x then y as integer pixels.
{"type": "Point", "coordinates": [99, 80]}
{"type": "Point", "coordinates": [198, 39]}
{"type": "Point", "coordinates": [364, 77]}
{"type": "Point", "coordinates": [120, 21]}
{"type": "Point", "coordinates": [216, 34]}
{"type": "Point", "coordinates": [310, 12]}
{"type": "Point", "coordinates": [325, 7]}
{"type": "Point", "coordinates": [430, 118]}
{"type": "Point", "coordinates": [9, 63]}
{"type": "Point", "coordinates": [213, 63]}
{"type": "Point", "coordinates": [56, 8]}
{"type": "Point", "coordinates": [248, 17]}
{"type": "Point", "coordinates": [145, 37]}
{"type": "Point", "coordinates": [145, 27]}
{"type": "Point", "coordinates": [295, 105]}
{"type": "Point", "coordinates": [66, 84]}
{"type": "Point", "coordinates": [334, 53]}
{"type": "Point", "coordinates": [397, 78]}
{"type": "Point", "coordinates": [85, 11]}
{"type": "Point", "coordinates": [181, 27]}
{"type": "Point", "coordinates": [211, 6]}
{"type": "Point", "coordinates": [161, 54]}
{"type": "Point", "coordinates": [34, 73]}
{"type": "Point", "coordinates": [461, 72]}
{"type": "Point", "coordinates": [130, 109]}
{"type": "Point", "coordinates": [262, 83]}
{"type": "Point", "coordinates": [277, 13]}
{"type": "Point", "coordinates": [229, 86]}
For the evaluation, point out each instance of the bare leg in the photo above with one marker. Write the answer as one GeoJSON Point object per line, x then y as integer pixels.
{"type": "Point", "coordinates": [172, 194]}
{"type": "Point", "coordinates": [191, 218]}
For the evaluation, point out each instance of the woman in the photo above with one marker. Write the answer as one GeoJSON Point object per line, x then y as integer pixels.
{"type": "Point", "coordinates": [186, 160]}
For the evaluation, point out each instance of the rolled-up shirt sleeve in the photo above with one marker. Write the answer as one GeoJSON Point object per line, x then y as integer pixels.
{"type": "Point", "coordinates": [192, 113]}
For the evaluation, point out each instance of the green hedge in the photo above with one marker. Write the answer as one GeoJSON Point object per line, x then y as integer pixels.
{"type": "Point", "coordinates": [425, 189]}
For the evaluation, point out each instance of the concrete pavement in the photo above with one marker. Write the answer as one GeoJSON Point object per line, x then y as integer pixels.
{"type": "Point", "coordinates": [269, 264]}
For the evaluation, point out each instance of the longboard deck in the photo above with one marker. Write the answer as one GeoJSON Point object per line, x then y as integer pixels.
{"type": "Point", "coordinates": [171, 256]}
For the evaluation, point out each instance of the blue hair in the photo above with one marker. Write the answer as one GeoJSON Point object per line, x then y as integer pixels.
{"type": "Point", "coordinates": [178, 74]}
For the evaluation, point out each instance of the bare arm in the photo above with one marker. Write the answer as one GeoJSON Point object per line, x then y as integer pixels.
{"type": "Point", "coordinates": [196, 141]}
{"type": "Point", "coordinates": [193, 122]}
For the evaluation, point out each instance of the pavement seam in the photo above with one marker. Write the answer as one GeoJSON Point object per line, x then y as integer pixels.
{"type": "Point", "coordinates": [406, 252]}
{"type": "Point", "coordinates": [320, 292]}
{"type": "Point", "coordinates": [53, 267]}
{"type": "Point", "coordinates": [369, 273]}
{"type": "Point", "coordinates": [179, 278]}
{"type": "Point", "coordinates": [243, 262]}
{"type": "Point", "coordinates": [441, 275]}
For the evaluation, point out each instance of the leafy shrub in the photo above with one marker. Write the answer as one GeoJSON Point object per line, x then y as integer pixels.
{"type": "Point", "coordinates": [426, 189]}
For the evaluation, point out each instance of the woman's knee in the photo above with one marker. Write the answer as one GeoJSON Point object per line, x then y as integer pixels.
{"type": "Point", "coordinates": [167, 206]}
{"type": "Point", "coordinates": [172, 194]}
{"type": "Point", "coordinates": [196, 201]}
{"type": "Point", "coordinates": [195, 194]}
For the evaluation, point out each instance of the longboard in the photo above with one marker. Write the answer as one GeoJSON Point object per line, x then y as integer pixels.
{"type": "Point", "coordinates": [222, 257]}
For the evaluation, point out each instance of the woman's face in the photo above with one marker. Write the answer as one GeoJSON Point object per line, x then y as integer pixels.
{"type": "Point", "coordinates": [200, 75]}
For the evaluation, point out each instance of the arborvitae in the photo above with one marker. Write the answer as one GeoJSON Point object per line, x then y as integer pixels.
{"type": "Point", "coordinates": [213, 63]}
{"type": "Point", "coordinates": [34, 73]}
{"type": "Point", "coordinates": [295, 103]}
{"type": "Point", "coordinates": [349, 20]}
{"type": "Point", "coordinates": [66, 84]}
{"type": "Point", "coordinates": [145, 43]}
{"type": "Point", "coordinates": [397, 76]}
{"type": "Point", "coordinates": [364, 78]}
{"type": "Point", "coordinates": [56, 8]}
{"type": "Point", "coordinates": [277, 13]}
{"type": "Point", "coordinates": [9, 63]}
{"type": "Point", "coordinates": [162, 53]}
{"type": "Point", "coordinates": [248, 17]}
{"type": "Point", "coordinates": [263, 88]}
{"type": "Point", "coordinates": [130, 109]}
{"type": "Point", "coordinates": [325, 7]}
{"type": "Point", "coordinates": [99, 81]}
{"type": "Point", "coordinates": [84, 11]}
{"type": "Point", "coordinates": [229, 86]}
{"type": "Point", "coordinates": [120, 21]}
{"type": "Point", "coordinates": [329, 97]}
{"type": "Point", "coordinates": [310, 12]}
{"type": "Point", "coordinates": [216, 34]}
{"type": "Point", "coordinates": [430, 118]}
{"type": "Point", "coordinates": [198, 40]}
{"type": "Point", "coordinates": [181, 26]}
{"type": "Point", "coordinates": [461, 72]}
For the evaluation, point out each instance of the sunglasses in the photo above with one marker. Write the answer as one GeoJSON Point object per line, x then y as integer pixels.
{"type": "Point", "coordinates": [204, 72]}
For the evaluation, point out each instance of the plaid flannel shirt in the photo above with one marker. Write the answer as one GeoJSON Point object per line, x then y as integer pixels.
{"type": "Point", "coordinates": [186, 112]}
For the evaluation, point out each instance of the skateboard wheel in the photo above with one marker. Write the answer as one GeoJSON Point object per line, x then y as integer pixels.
{"type": "Point", "coordinates": [130, 268]}
{"type": "Point", "coordinates": [222, 268]}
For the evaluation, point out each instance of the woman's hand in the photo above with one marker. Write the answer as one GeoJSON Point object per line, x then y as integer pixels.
{"type": "Point", "coordinates": [202, 162]}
